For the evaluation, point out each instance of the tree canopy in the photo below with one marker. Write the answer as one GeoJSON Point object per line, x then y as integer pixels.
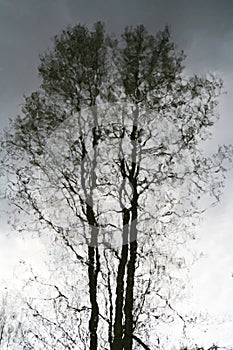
{"type": "Point", "coordinates": [107, 161]}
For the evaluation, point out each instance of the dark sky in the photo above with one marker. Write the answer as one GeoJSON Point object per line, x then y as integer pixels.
{"type": "Point", "coordinates": [204, 29]}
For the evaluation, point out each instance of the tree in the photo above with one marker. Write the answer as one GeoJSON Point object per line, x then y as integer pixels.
{"type": "Point", "coordinates": [106, 162]}
{"type": "Point", "coordinates": [213, 347]}
{"type": "Point", "coordinates": [10, 321]}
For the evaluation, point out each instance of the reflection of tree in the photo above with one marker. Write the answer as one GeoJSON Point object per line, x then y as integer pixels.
{"type": "Point", "coordinates": [107, 157]}
{"type": "Point", "coordinates": [213, 347]}
{"type": "Point", "coordinates": [10, 321]}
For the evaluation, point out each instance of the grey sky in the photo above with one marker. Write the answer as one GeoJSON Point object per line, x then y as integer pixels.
{"type": "Point", "coordinates": [204, 29]}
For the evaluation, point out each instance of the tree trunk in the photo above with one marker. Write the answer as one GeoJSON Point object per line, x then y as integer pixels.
{"type": "Point", "coordinates": [118, 324]}
{"type": "Point", "coordinates": [129, 299]}
{"type": "Point", "coordinates": [93, 270]}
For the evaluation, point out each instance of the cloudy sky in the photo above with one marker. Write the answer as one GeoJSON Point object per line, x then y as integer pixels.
{"type": "Point", "coordinates": [204, 30]}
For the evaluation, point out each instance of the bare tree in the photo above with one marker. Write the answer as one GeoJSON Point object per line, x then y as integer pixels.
{"type": "Point", "coordinates": [106, 161]}
{"type": "Point", "coordinates": [11, 330]}
{"type": "Point", "coordinates": [213, 347]}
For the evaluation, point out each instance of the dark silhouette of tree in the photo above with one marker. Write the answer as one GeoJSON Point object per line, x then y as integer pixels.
{"type": "Point", "coordinates": [106, 161]}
